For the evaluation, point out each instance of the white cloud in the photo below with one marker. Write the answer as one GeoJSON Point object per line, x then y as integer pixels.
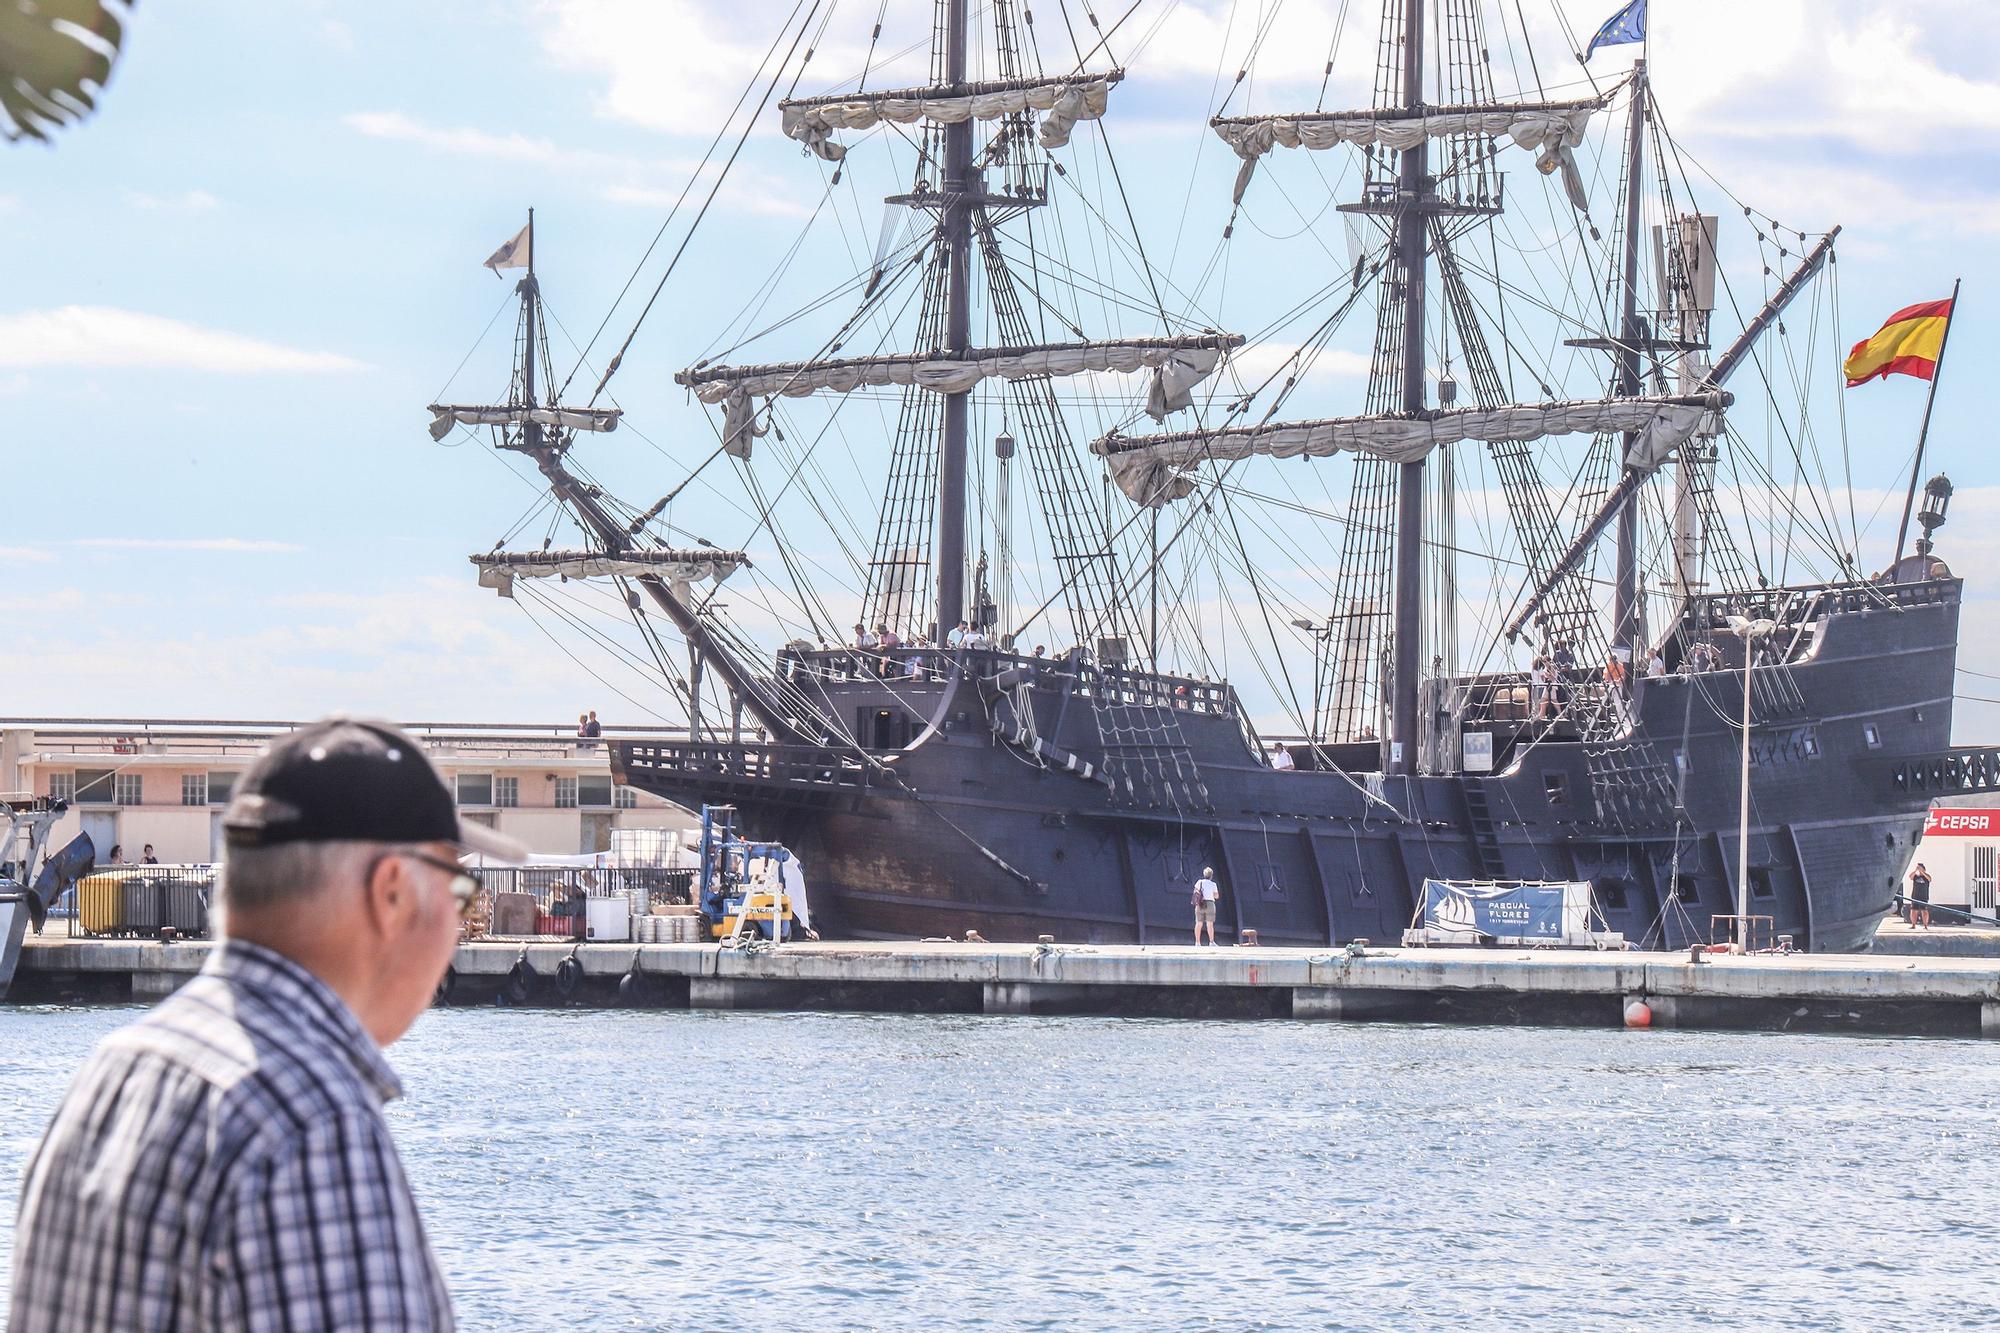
{"type": "Point", "coordinates": [230, 544]}
{"type": "Point", "coordinates": [1254, 365]}
{"type": "Point", "coordinates": [86, 335]}
{"type": "Point", "coordinates": [635, 181]}
{"type": "Point", "coordinates": [674, 65]}
{"type": "Point", "coordinates": [189, 201]}
{"type": "Point", "coordinates": [459, 141]}
{"type": "Point", "coordinates": [26, 555]}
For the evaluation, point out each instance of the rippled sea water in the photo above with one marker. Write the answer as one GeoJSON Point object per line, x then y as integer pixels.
{"type": "Point", "coordinates": [614, 1169]}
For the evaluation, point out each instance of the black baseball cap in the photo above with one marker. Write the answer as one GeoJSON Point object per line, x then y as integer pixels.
{"type": "Point", "coordinates": [345, 779]}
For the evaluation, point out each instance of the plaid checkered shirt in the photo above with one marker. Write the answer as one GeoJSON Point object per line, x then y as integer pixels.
{"type": "Point", "coordinates": [224, 1164]}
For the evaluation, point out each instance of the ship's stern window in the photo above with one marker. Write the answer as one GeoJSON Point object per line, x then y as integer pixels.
{"type": "Point", "coordinates": [1687, 889]}
{"type": "Point", "coordinates": [1556, 787]}
{"type": "Point", "coordinates": [1760, 883]}
{"type": "Point", "coordinates": [1872, 735]}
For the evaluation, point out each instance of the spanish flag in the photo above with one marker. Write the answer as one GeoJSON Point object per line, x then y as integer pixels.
{"type": "Point", "coordinates": [1908, 344]}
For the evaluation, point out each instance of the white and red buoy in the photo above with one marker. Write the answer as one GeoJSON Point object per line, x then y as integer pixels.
{"type": "Point", "coordinates": [1638, 1014]}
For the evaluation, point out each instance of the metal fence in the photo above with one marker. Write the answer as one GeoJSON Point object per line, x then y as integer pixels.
{"type": "Point", "coordinates": [139, 901]}
{"type": "Point", "coordinates": [525, 902]}
{"type": "Point", "coordinates": [550, 902]}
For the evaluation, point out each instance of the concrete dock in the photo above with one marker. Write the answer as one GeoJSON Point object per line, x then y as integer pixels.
{"type": "Point", "coordinates": [1940, 941]}
{"type": "Point", "coordinates": [1797, 992]}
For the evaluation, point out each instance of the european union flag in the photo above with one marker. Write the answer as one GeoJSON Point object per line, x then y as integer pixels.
{"type": "Point", "coordinates": [1627, 25]}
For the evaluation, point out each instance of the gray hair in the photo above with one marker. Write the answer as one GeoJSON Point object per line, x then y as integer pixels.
{"type": "Point", "coordinates": [253, 878]}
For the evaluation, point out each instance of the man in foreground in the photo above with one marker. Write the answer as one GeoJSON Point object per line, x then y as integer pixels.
{"type": "Point", "coordinates": [224, 1163]}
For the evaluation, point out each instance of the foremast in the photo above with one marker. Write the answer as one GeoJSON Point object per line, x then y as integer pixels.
{"type": "Point", "coordinates": [923, 529]}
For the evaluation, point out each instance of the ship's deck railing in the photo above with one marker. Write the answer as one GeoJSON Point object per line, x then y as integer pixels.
{"type": "Point", "coordinates": [1111, 684]}
{"type": "Point", "coordinates": [761, 762]}
{"type": "Point", "coordinates": [1805, 603]}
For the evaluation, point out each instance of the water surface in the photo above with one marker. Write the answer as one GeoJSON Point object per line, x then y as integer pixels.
{"type": "Point", "coordinates": [609, 1169]}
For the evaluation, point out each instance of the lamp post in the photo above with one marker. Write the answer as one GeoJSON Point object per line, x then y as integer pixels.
{"type": "Point", "coordinates": [1751, 631]}
{"type": "Point", "coordinates": [1322, 633]}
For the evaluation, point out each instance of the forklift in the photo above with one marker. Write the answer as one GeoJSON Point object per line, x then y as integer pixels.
{"type": "Point", "coordinates": [748, 888]}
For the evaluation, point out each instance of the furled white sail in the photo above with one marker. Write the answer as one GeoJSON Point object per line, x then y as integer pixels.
{"type": "Point", "coordinates": [1150, 469]}
{"type": "Point", "coordinates": [1198, 355]}
{"type": "Point", "coordinates": [499, 569]}
{"type": "Point", "coordinates": [1063, 103]}
{"type": "Point", "coordinates": [1550, 130]}
{"type": "Point", "coordinates": [1178, 365]}
{"type": "Point", "coordinates": [446, 415]}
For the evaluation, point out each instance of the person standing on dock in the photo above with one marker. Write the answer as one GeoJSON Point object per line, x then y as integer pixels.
{"type": "Point", "coordinates": [1920, 896]}
{"type": "Point", "coordinates": [224, 1162]}
{"type": "Point", "coordinates": [1207, 893]}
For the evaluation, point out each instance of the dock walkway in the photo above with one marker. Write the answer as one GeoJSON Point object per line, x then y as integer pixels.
{"type": "Point", "coordinates": [1873, 993]}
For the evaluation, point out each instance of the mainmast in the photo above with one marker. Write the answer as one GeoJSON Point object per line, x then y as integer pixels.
{"type": "Point", "coordinates": [957, 240]}
{"type": "Point", "coordinates": [1412, 223]}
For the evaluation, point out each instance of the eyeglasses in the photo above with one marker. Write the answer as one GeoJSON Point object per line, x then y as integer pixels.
{"type": "Point", "coordinates": [464, 884]}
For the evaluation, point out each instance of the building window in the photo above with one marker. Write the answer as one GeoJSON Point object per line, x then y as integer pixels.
{"type": "Point", "coordinates": [93, 786]}
{"type": "Point", "coordinates": [565, 793]}
{"type": "Point", "coordinates": [625, 798]}
{"type": "Point", "coordinates": [62, 786]}
{"type": "Point", "coordinates": [475, 789]}
{"type": "Point", "coordinates": [507, 792]}
{"type": "Point", "coordinates": [194, 789]}
{"type": "Point", "coordinates": [594, 790]}
{"type": "Point", "coordinates": [221, 786]}
{"type": "Point", "coordinates": [128, 790]}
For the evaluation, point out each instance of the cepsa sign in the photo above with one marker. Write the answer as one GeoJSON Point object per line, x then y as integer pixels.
{"type": "Point", "coordinates": [1959, 823]}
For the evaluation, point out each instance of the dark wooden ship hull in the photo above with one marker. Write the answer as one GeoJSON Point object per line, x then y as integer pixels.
{"type": "Point", "coordinates": [949, 824]}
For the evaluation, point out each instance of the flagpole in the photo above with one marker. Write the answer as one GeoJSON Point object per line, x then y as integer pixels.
{"type": "Point", "coordinates": [1923, 433]}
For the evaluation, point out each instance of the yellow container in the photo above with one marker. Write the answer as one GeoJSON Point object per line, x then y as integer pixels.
{"type": "Point", "coordinates": [100, 902]}
{"type": "Point", "coordinates": [756, 907]}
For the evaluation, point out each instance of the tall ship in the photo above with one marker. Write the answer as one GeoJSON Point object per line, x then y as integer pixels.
{"type": "Point", "coordinates": [1522, 592]}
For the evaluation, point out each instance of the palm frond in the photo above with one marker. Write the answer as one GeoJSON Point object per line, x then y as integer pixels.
{"type": "Point", "coordinates": [55, 58]}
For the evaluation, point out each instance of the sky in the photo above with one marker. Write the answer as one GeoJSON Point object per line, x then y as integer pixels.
{"type": "Point", "coordinates": [237, 286]}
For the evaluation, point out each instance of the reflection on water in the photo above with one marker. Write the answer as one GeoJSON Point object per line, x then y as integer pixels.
{"type": "Point", "coordinates": [611, 1169]}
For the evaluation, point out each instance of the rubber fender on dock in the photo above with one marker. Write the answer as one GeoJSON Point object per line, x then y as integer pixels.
{"type": "Point", "coordinates": [569, 975]}
{"type": "Point", "coordinates": [628, 988]}
{"type": "Point", "coordinates": [519, 981]}
{"type": "Point", "coordinates": [441, 997]}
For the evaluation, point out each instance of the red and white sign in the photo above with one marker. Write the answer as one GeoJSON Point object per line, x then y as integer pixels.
{"type": "Point", "coordinates": [1956, 822]}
